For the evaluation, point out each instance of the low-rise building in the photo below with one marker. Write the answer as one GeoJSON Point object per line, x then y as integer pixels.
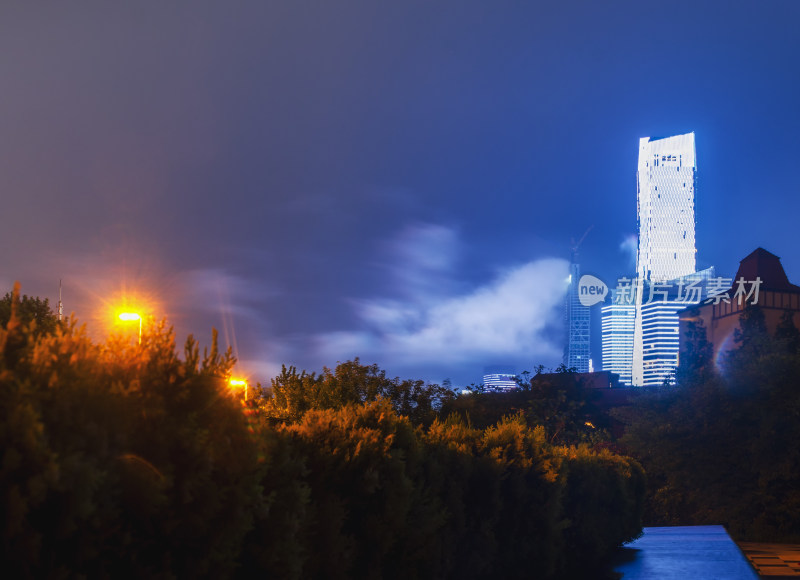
{"type": "Point", "coordinates": [760, 281]}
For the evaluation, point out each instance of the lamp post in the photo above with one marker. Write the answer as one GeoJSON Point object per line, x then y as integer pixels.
{"type": "Point", "coordinates": [131, 316]}
{"type": "Point", "coordinates": [238, 383]}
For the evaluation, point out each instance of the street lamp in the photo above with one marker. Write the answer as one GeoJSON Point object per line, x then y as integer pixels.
{"type": "Point", "coordinates": [131, 316]}
{"type": "Point", "coordinates": [238, 383]}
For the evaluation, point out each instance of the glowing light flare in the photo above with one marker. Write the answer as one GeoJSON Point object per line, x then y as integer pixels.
{"type": "Point", "coordinates": [128, 316]}
{"type": "Point", "coordinates": [132, 317]}
{"type": "Point", "coordinates": [235, 384]}
{"type": "Point", "coordinates": [125, 306]}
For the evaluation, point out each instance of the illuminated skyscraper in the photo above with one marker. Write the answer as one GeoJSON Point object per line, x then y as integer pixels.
{"type": "Point", "coordinates": [577, 318]}
{"type": "Point", "coordinates": [660, 306]}
{"type": "Point", "coordinates": [617, 338]}
{"type": "Point", "coordinates": [665, 195]}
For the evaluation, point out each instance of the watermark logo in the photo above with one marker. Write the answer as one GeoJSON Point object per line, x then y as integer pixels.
{"type": "Point", "coordinates": [689, 291]}
{"type": "Point", "coordinates": [591, 290]}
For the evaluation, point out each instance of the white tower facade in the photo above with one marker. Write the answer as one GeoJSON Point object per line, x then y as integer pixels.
{"type": "Point", "coordinates": [617, 339]}
{"type": "Point", "coordinates": [665, 197]}
{"type": "Point", "coordinates": [666, 178]}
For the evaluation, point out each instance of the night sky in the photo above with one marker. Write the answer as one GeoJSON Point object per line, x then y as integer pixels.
{"type": "Point", "coordinates": [397, 181]}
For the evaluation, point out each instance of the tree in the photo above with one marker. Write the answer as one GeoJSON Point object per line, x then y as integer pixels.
{"type": "Point", "coordinates": [557, 401]}
{"type": "Point", "coordinates": [123, 459]}
{"type": "Point", "coordinates": [295, 393]}
{"type": "Point", "coordinates": [787, 333]}
{"type": "Point", "coordinates": [751, 336]}
{"type": "Point", "coordinates": [27, 310]}
{"type": "Point", "coordinates": [725, 447]}
{"type": "Point", "coordinates": [696, 359]}
{"type": "Point", "coordinates": [561, 404]}
{"type": "Point", "coordinates": [120, 459]}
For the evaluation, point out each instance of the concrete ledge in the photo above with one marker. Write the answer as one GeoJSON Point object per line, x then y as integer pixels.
{"type": "Point", "coordinates": [681, 552]}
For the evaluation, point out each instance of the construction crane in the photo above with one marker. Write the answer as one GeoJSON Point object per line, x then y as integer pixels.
{"type": "Point", "coordinates": [577, 351]}
{"type": "Point", "coordinates": [574, 247]}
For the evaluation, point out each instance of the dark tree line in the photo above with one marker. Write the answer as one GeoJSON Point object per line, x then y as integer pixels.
{"type": "Point", "coordinates": [294, 393]}
{"type": "Point", "coordinates": [28, 309]}
{"type": "Point", "coordinates": [558, 401]}
{"type": "Point", "coordinates": [722, 444]}
{"type": "Point", "coordinates": [126, 460]}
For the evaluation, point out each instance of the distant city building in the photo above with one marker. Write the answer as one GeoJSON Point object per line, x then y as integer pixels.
{"type": "Point", "coordinates": [760, 281]}
{"type": "Point", "coordinates": [660, 305]}
{"type": "Point", "coordinates": [499, 382]}
{"type": "Point", "coordinates": [661, 324]}
{"type": "Point", "coordinates": [577, 318]}
{"type": "Point", "coordinates": [665, 196]}
{"type": "Point", "coordinates": [617, 338]}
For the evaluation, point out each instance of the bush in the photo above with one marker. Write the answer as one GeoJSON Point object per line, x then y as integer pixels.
{"type": "Point", "coordinates": [604, 499]}
{"type": "Point", "coordinates": [127, 460]}
{"type": "Point", "coordinates": [120, 459]}
{"type": "Point", "coordinates": [722, 446]}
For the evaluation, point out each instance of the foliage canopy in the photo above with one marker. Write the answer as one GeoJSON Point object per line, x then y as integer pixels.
{"type": "Point", "coordinates": [722, 445]}
{"type": "Point", "coordinates": [120, 459]}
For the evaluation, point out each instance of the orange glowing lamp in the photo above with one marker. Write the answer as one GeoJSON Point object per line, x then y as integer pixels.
{"type": "Point", "coordinates": [238, 383]}
{"type": "Point", "coordinates": [131, 317]}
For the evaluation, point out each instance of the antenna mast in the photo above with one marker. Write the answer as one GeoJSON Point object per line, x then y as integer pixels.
{"type": "Point", "coordinates": [60, 304]}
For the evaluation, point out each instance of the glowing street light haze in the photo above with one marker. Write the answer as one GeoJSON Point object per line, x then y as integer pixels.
{"type": "Point", "coordinates": [130, 317]}
{"type": "Point", "coordinates": [238, 383]}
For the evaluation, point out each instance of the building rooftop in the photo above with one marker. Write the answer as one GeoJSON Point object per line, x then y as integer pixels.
{"type": "Point", "coordinates": [765, 265]}
{"type": "Point", "coordinates": [661, 138]}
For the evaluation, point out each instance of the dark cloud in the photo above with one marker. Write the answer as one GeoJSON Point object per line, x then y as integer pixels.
{"type": "Point", "coordinates": [262, 167]}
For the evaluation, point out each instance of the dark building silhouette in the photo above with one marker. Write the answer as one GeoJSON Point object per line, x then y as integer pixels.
{"type": "Point", "coordinates": [759, 281]}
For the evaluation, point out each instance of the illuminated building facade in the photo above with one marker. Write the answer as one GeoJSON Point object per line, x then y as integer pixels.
{"type": "Point", "coordinates": [661, 323]}
{"type": "Point", "coordinates": [665, 197]}
{"type": "Point", "coordinates": [617, 339]}
{"type": "Point", "coordinates": [666, 179]}
{"type": "Point", "coordinates": [499, 382]}
{"type": "Point", "coordinates": [578, 319]}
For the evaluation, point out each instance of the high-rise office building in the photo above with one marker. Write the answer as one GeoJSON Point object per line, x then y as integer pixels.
{"type": "Point", "coordinates": [661, 303]}
{"type": "Point", "coordinates": [665, 194]}
{"type": "Point", "coordinates": [577, 318]}
{"type": "Point", "coordinates": [665, 197]}
{"type": "Point", "coordinates": [617, 338]}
